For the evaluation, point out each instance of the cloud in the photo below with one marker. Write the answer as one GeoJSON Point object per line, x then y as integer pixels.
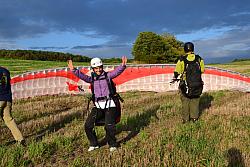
{"type": "Point", "coordinates": [120, 21]}
{"type": "Point", "coordinates": [234, 43]}
{"type": "Point", "coordinates": [103, 51]}
{"type": "Point", "coordinates": [48, 48]}
{"type": "Point", "coordinates": [7, 44]}
{"type": "Point", "coordinates": [240, 14]}
{"type": "Point", "coordinates": [101, 46]}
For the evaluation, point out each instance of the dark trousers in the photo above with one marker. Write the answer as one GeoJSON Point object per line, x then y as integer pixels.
{"type": "Point", "coordinates": [190, 108]}
{"type": "Point", "coordinates": [108, 116]}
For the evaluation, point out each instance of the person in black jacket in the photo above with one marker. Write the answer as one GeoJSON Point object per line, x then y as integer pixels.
{"type": "Point", "coordinates": [6, 105]}
{"type": "Point", "coordinates": [189, 68]}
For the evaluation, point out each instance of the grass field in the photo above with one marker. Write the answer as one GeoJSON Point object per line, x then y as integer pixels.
{"type": "Point", "coordinates": [242, 67]}
{"type": "Point", "coordinates": [150, 132]}
{"type": "Point", "coordinates": [21, 66]}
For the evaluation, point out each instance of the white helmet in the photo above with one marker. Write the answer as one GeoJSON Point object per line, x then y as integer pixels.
{"type": "Point", "coordinates": [96, 62]}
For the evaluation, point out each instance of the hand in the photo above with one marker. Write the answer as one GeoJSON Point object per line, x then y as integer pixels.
{"type": "Point", "coordinates": [174, 80]}
{"type": "Point", "coordinates": [124, 60]}
{"type": "Point", "coordinates": [70, 65]}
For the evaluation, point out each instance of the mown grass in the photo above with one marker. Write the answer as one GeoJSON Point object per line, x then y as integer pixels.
{"type": "Point", "coordinates": [150, 132]}
{"type": "Point", "coordinates": [241, 66]}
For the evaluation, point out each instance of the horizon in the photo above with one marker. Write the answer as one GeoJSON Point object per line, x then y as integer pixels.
{"type": "Point", "coordinates": [212, 60]}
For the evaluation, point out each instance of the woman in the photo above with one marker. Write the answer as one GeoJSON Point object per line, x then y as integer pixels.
{"type": "Point", "coordinates": [105, 105]}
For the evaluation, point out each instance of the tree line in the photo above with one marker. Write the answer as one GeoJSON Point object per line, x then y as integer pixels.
{"type": "Point", "coordinates": [42, 55]}
{"type": "Point", "coordinates": [239, 60]}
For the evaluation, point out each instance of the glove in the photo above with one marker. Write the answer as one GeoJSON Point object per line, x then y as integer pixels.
{"type": "Point", "coordinates": [174, 80]}
{"type": "Point", "coordinates": [176, 75]}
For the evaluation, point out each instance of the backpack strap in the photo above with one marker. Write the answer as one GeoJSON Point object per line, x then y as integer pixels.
{"type": "Point", "coordinates": [198, 58]}
{"type": "Point", "coordinates": [111, 88]}
{"type": "Point", "coordinates": [92, 98]}
{"type": "Point", "coordinates": [92, 84]}
{"type": "Point", "coordinates": [184, 58]}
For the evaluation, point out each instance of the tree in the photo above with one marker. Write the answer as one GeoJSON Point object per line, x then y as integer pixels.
{"type": "Point", "coordinates": [174, 47]}
{"type": "Point", "coordinates": [150, 47]}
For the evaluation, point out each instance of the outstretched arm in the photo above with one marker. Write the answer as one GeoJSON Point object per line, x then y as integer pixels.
{"type": "Point", "coordinates": [78, 73]}
{"type": "Point", "coordinates": [124, 60]}
{"type": "Point", "coordinates": [117, 71]}
{"type": "Point", "coordinates": [70, 65]}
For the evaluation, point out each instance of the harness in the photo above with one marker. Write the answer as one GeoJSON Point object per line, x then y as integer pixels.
{"type": "Point", "coordinates": [113, 95]}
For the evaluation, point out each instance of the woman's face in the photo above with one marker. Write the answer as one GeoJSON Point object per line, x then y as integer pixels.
{"type": "Point", "coordinates": [98, 70]}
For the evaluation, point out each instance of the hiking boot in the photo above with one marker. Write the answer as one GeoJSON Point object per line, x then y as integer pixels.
{"type": "Point", "coordinates": [194, 119]}
{"type": "Point", "coordinates": [22, 143]}
{"type": "Point", "coordinates": [111, 149]}
{"type": "Point", "coordinates": [184, 121]}
{"type": "Point", "coordinates": [92, 148]}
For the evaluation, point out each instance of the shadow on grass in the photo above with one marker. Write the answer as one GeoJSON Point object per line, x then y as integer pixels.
{"type": "Point", "coordinates": [56, 125]}
{"type": "Point", "coordinates": [8, 143]}
{"type": "Point", "coordinates": [135, 123]}
{"type": "Point", "coordinates": [51, 128]}
{"type": "Point", "coordinates": [43, 115]}
{"type": "Point", "coordinates": [205, 102]}
{"type": "Point", "coordinates": [235, 158]}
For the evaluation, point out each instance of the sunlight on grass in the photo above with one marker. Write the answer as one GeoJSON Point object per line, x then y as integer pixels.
{"type": "Point", "coordinates": [21, 66]}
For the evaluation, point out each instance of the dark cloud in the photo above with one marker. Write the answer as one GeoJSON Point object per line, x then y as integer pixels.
{"type": "Point", "coordinates": [120, 19]}
{"type": "Point", "coordinates": [123, 19]}
{"type": "Point", "coordinates": [233, 44]}
{"type": "Point", "coordinates": [13, 22]}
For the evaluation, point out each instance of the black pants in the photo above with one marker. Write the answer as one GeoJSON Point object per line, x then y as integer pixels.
{"type": "Point", "coordinates": [108, 116]}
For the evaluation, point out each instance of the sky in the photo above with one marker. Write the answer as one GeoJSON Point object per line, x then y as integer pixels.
{"type": "Point", "coordinates": [220, 29]}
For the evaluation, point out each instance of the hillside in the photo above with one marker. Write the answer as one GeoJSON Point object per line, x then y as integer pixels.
{"type": "Point", "coordinates": [150, 132]}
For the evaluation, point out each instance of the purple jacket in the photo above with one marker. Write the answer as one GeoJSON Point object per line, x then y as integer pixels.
{"type": "Point", "coordinates": [101, 88]}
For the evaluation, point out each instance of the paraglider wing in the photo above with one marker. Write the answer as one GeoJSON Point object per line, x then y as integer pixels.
{"type": "Point", "coordinates": [147, 77]}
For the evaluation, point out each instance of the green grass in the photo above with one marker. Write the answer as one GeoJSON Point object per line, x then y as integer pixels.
{"type": "Point", "coordinates": [241, 66]}
{"type": "Point", "coordinates": [246, 62]}
{"type": "Point", "coordinates": [150, 132]}
{"type": "Point", "coordinates": [21, 66]}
